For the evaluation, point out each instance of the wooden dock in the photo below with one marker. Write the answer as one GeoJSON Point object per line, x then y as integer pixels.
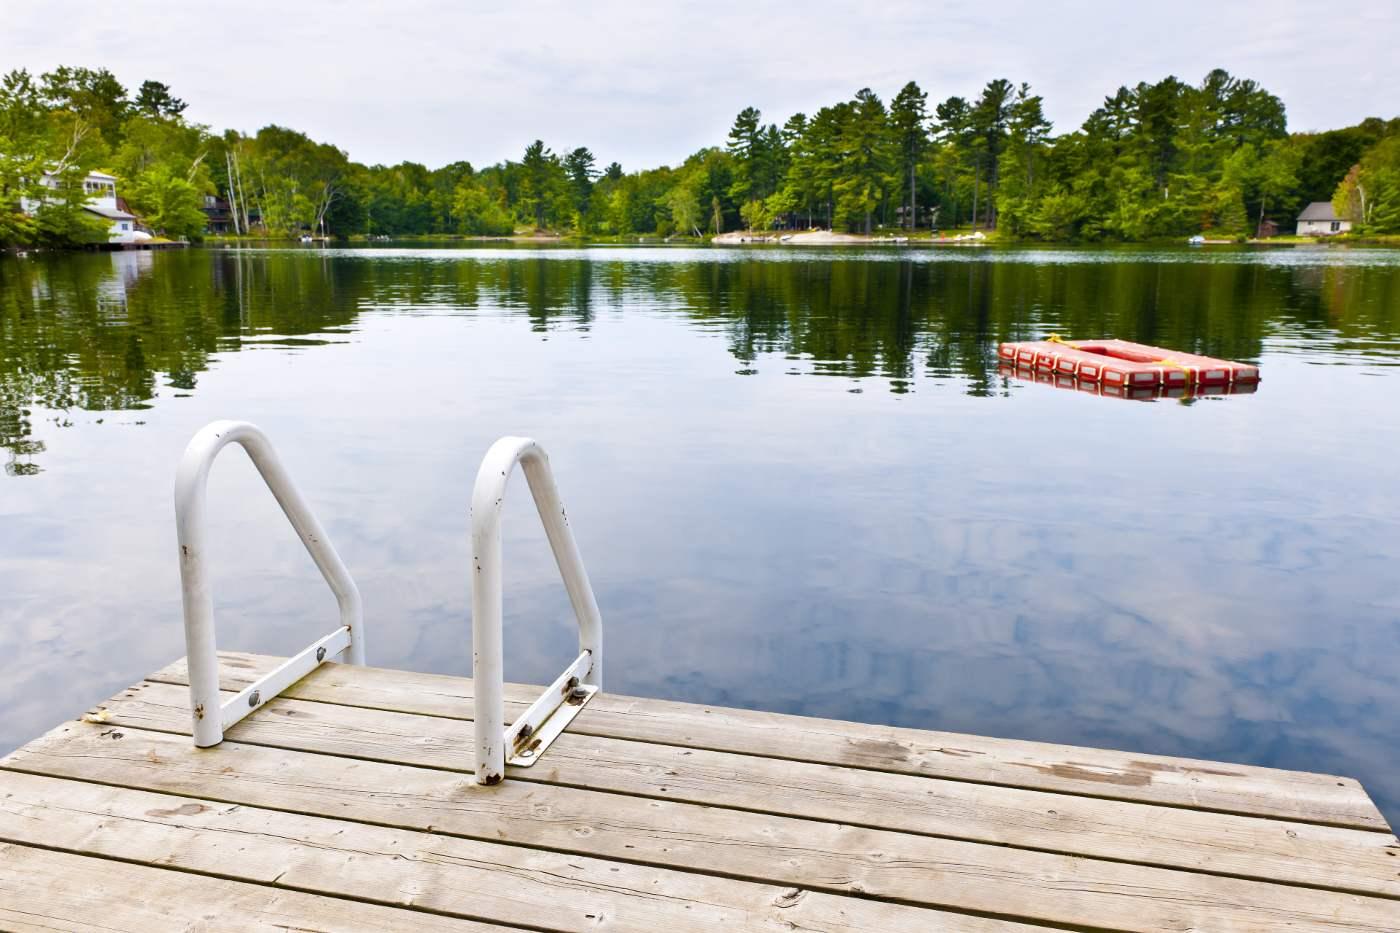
{"type": "Point", "coordinates": [348, 804]}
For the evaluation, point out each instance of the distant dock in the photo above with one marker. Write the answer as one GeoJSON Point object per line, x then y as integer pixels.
{"type": "Point", "coordinates": [348, 803]}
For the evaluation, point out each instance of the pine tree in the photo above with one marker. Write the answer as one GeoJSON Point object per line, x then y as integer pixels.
{"type": "Point", "coordinates": [908, 116]}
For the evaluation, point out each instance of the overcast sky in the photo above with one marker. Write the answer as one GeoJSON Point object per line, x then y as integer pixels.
{"type": "Point", "coordinates": [647, 83]}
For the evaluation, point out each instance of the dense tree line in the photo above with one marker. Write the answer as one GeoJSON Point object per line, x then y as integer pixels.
{"type": "Point", "coordinates": [1165, 159]}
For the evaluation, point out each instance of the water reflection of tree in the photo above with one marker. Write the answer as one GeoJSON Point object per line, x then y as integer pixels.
{"type": "Point", "coordinates": [107, 331]}
{"type": "Point", "coordinates": [857, 318]}
{"type": "Point", "coordinates": [93, 332]}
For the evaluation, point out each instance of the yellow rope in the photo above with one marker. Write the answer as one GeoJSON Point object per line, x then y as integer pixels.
{"type": "Point", "coordinates": [1190, 373]}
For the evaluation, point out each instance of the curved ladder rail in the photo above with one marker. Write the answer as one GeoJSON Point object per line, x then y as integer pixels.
{"type": "Point", "coordinates": [191, 482]}
{"type": "Point", "coordinates": [538, 726]}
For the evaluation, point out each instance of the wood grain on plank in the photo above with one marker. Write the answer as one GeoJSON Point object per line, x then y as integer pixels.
{"type": "Point", "coordinates": [427, 871]}
{"type": "Point", "coordinates": [43, 892]}
{"type": "Point", "coordinates": [1256, 847]}
{"type": "Point", "coordinates": [1230, 788]}
{"type": "Point", "coordinates": [1013, 883]}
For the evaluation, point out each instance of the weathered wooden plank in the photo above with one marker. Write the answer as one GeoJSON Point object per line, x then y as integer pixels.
{"type": "Point", "coordinates": [1256, 847]}
{"type": "Point", "coordinates": [1012, 883]}
{"type": "Point", "coordinates": [43, 892]}
{"type": "Point", "coordinates": [427, 871]}
{"type": "Point", "coordinates": [1206, 785]}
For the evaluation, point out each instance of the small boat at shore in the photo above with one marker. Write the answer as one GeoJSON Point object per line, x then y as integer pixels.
{"type": "Point", "coordinates": [1122, 363]}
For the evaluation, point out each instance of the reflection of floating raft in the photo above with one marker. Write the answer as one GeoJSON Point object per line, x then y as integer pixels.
{"type": "Point", "coordinates": [1140, 393]}
{"type": "Point", "coordinates": [1123, 364]}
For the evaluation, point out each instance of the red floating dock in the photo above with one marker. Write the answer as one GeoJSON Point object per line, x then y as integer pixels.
{"type": "Point", "coordinates": [1144, 393]}
{"type": "Point", "coordinates": [1124, 364]}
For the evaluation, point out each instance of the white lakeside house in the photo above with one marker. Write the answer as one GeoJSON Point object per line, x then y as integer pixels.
{"type": "Point", "coordinates": [101, 190]}
{"type": "Point", "coordinates": [1319, 219]}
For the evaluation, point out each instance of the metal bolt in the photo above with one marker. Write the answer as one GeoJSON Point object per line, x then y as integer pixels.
{"type": "Point", "coordinates": [578, 693]}
{"type": "Point", "coordinates": [573, 682]}
{"type": "Point", "coordinates": [526, 731]}
{"type": "Point", "coordinates": [253, 698]}
{"type": "Point", "coordinates": [320, 654]}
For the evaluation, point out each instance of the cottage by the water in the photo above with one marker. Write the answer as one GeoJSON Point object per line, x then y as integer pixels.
{"type": "Point", "coordinates": [102, 200]}
{"type": "Point", "coordinates": [1320, 219]}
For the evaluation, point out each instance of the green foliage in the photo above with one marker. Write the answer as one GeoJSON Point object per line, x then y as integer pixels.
{"type": "Point", "coordinates": [1058, 215]}
{"type": "Point", "coordinates": [479, 209]}
{"type": "Point", "coordinates": [756, 215]}
{"type": "Point", "coordinates": [1370, 193]}
{"type": "Point", "coordinates": [542, 190]}
{"type": "Point", "coordinates": [95, 97]}
{"type": "Point", "coordinates": [1156, 159]}
{"type": "Point", "coordinates": [155, 99]}
{"type": "Point", "coordinates": [683, 203]}
{"type": "Point", "coordinates": [24, 146]}
{"type": "Point", "coordinates": [168, 202]}
{"type": "Point", "coordinates": [909, 127]}
{"type": "Point", "coordinates": [1262, 173]}
{"type": "Point", "coordinates": [578, 166]}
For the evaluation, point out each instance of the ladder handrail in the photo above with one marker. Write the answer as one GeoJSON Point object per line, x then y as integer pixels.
{"type": "Point", "coordinates": [491, 736]}
{"type": "Point", "coordinates": [191, 482]}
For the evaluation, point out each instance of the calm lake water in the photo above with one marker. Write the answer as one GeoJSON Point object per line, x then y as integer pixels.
{"type": "Point", "coordinates": [797, 479]}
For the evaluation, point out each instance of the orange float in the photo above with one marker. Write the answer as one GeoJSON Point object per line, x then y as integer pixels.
{"type": "Point", "coordinates": [1122, 364]}
{"type": "Point", "coordinates": [1137, 393]}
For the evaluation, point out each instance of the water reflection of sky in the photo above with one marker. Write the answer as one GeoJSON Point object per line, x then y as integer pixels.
{"type": "Point", "coordinates": [1209, 580]}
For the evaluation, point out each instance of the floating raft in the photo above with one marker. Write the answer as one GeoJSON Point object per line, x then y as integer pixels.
{"type": "Point", "coordinates": [1144, 393]}
{"type": "Point", "coordinates": [348, 803]}
{"type": "Point", "coordinates": [1122, 363]}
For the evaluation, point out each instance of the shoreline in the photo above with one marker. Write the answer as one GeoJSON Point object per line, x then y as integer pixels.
{"type": "Point", "coordinates": [810, 238]}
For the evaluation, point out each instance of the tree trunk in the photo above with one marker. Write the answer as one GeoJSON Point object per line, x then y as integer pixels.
{"type": "Point", "coordinates": [913, 209]}
{"type": "Point", "coordinates": [976, 186]}
{"type": "Point", "coordinates": [242, 194]}
{"type": "Point", "coordinates": [992, 179]}
{"type": "Point", "coordinates": [228, 190]}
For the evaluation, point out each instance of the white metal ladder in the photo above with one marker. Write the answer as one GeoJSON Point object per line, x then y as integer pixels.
{"type": "Point", "coordinates": [541, 723]}
{"type": "Point", "coordinates": [526, 738]}
{"type": "Point", "coordinates": [211, 717]}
